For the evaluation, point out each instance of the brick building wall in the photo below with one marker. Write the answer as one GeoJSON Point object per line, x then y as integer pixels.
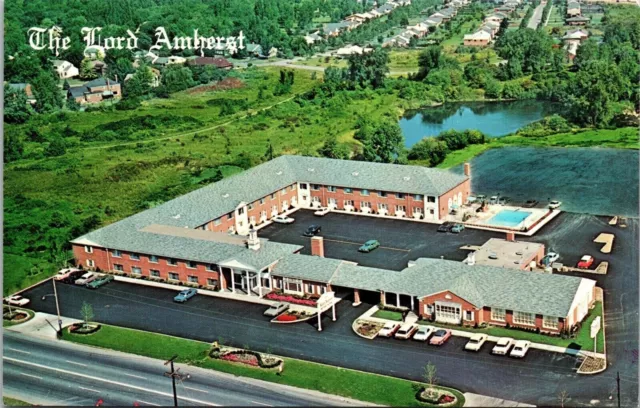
{"type": "Point", "coordinates": [461, 191]}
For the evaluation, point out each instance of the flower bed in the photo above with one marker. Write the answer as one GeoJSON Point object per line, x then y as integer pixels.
{"type": "Point", "coordinates": [80, 328]}
{"type": "Point", "coordinates": [247, 357]}
{"type": "Point", "coordinates": [286, 317]}
{"type": "Point", "coordinates": [436, 397]}
{"type": "Point", "coordinates": [592, 365]}
{"type": "Point", "coordinates": [297, 300]}
{"type": "Point", "coordinates": [15, 316]}
{"type": "Point", "coordinates": [368, 329]}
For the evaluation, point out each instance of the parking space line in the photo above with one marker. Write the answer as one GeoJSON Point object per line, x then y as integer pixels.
{"type": "Point", "coordinates": [149, 403]}
{"type": "Point", "coordinates": [88, 389]}
{"type": "Point", "coordinates": [359, 243]}
{"type": "Point", "coordinates": [19, 351]}
{"type": "Point", "coordinates": [135, 376]}
{"type": "Point", "coordinates": [261, 403]}
{"type": "Point", "coordinates": [73, 362]}
{"type": "Point", "coordinates": [196, 389]}
{"type": "Point", "coordinates": [31, 375]}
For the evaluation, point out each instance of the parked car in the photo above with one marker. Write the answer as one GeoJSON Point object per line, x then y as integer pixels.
{"type": "Point", "coordinates": [276, 309]}
{"type": "Point", "coordinates": [472, 199]}
{"type": "Point", "coordinates": [520, 348]}
{"type": "Point", "coordinates": [445, 227]}
{"type": "Point", "coordinates": [475, 342]}
{"type": "Point", "coordinates": [86, 278]}
{"type": "Point", "coordinates": [423, 333]}
{"type": "Point", "coordinates": [457, 228]}
{"type": "Point", "coordinates": [550, 258]}
{"type": "Point", "coordinates": [64, 274]}
{"type": "Point", "coordinates": [481, 197]}
{"type": "Point", "coordinates": [17, 300]}
{"type": "Point", "coordinates": [554, 204]}
{"type": "Point", "coordinates": [502, 346]}
{"type": "Point", "coordinates": [313, 230]}
{"type": "Point", "coordinates": [99, 281]}
{"type": "Point", "coordinates": [389, 329]}
{"type": "Point", "coordinates": [406, 331]}
{"type": "Point", "coordinates": [73, 276]}
{"type": "Point", "coordinates": [504, 200]}
{"type": "Point", "coordinates": [369, 246]}
{"type": "Point", "coordinates": [585, 262]}
{"type": "Point", "coordinates": [493, 200]}
{"type": "Point", "coordinates": [322, 211]}
{"type": "Point", "coordinates": [440, 337]}
{"type": "Point", "coordinates": [185, 295]}
{"type": "Point", "coordinates": [283, 219]}
{"type": "Point", "coordinates": [530, 203]}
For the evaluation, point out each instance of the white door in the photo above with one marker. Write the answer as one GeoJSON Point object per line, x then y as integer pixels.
{"type": "Point", "coordinates": [448, 313]}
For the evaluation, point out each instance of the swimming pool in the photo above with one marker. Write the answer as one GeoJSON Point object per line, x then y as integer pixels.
{"type": "Point", "coordinates": [509, 218]}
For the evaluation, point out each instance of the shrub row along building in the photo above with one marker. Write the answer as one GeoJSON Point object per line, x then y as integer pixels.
{"type": "Point", "coordinates": [199, 239]}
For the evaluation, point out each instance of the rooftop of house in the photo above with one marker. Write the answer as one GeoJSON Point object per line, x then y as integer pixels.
{"type": "Point", "coordinates": [218, 62]}
{"type": "Point", "coordinates": [506, 254]}
{"type": "Point", "coordinates": [478, 35]}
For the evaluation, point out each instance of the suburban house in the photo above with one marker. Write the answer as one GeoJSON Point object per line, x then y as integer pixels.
{"type": "Point", "coordinates": [187, 240]}
{"type": "Point", "coordinates": [254, 49]}
{"type": "Point", "coordinates": [65, 69]}
{"type": "Point", "coordinates": [579, 35]}
{"type": "Point", "coordinates": [95, 91]}
{"type": "Point", "coordinates": [94, 52]}
{"type": "Point", "coordinates": [573, 9]}
{"type": "Point", "coordinates": [576, 21]}
{"type": "Point", "coordinates": [313, 38]}
{"type": "Point", "coordinates": [26, 88]}
{"type": "Point", "coordinates": [218, 62]}
{"type": "Point", "coordinates": [480, 38]}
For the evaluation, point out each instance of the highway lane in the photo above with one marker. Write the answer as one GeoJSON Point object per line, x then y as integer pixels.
{"type": "Point", "coordinates": [60, 373]}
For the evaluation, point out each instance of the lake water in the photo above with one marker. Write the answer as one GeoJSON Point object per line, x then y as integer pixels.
{"type": "Point", "coordinates": [492, 118]}
{"type": "Point", "coordinates": [587, 180]}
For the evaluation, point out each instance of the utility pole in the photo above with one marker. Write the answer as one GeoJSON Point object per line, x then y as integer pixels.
{"type": "Point", "coordinates": [618, 382]}
{"type": "Point", "coordinates": [55, 292]}
{"type": "Point", "coordinates": [174, 374]}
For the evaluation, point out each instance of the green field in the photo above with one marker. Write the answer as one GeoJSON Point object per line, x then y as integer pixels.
{"type": "Point", "coordinates": [298, 373]}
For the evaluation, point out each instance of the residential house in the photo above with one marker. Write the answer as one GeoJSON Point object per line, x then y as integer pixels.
{"type": "Point", "coordinates": [579, 35]}
{"type": "Point", "coordinates": [26, 88]}
{"type": "Point", "coordinates": [573, 9]}
{"type": "Point", "coordinates": [253, 49]}
{"type": "Point", "coordinates": [478, 39]}
{"type": "Point", "coordinates": [95, 91]}
{"type": "Point", "coordinates": [434, 20]}
{"type": "Point", "coordinates": [94, 52]}
{"type": "Point", "coordinates": [218, 62]}
{"type": "Point", "coordinates": [577, 21]}
{"type": "Point", "coordinates": [312, 38]}
{"type": "Point", "coordinates": [65, 69]}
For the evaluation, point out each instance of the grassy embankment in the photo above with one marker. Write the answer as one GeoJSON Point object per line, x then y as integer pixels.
{"type": "Point", "coordinates": [298, 373]}
{"type": "Point", "coordinates": [12, 402]}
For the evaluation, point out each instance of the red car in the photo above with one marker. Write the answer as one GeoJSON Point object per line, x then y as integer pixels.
{"type": "Point", "coordinates": [585, 262]}
{"type": "Point", "coordinates": [440, 337]}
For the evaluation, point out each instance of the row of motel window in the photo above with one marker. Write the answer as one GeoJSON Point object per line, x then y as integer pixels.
{"type": "Point", "coordinates": [218, 221]}
{"type": "Point", "coordinates": [367, 204]}
{"type": "Point", "coordinates": [135, 270]}
{"type": "Point", "coordinates": [497, 314]}
{"type": "Point", "coordinates": [365, 192]}
{"type": "Point", "coordinates": [154, 259]}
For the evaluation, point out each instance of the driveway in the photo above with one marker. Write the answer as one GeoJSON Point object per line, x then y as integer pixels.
{"type": "Point", "coordinates": [537, 379]}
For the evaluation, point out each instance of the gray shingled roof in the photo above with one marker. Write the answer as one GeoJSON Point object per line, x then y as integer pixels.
{"type": "Point", "coordinates": [308, 267]}
{"type": "Point", "coordinates": [350, 275]}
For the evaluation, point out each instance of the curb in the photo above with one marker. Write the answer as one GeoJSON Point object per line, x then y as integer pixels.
{"type": "Point", "coordinates": [33, 286]}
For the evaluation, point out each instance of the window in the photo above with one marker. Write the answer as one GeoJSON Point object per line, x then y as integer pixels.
{"type": "Point", "coordinates": [230, 216]}
{"type": "Point", "coordinates": [365, 204]}
{"type": "Point", "coordinates": [212, 282]}
{"type": "Point", "coordinates": [331, 189]}
{"type": "Point", "coordinates": [448, 312]}
{"type": "Point", "coordinates": [116, 253]}
{"type": "Point", "coordinates": [528, 319]}
{"type": "Point", "coordinates": [304, 186]}
{"type": "Point", "coordinates": [283, 191]}
{"type": "Point", "coordinates": [278, 283]}
{"type": "Point", "coordinates": [118, 267]}
{"type": "Point", "coordinates": [192, 279]}
{"type": "Point", "coordinates": [364, 192]}
{"type": "Point", "coordinates": [400, 208]}
{"type": "Point", "coordinates": [136, 270]}
{"type": "Point", "coordinates": [315, 187]}
{"type": "Point", "coordinates": [418, 197]}
{"type": "Point", "coordinates": [90, 263]}
{"type": "Point", "coordinates": [273, 196]}
{"type": "Point", "coordinates": [88, 249]}
{"type": "Point", "coordinates": [240, 210]}
{"type": "Point", "coordinates": [153, 259]}
{"type": "Point", "coordinates": [250, 206]}
{"type": "Point", "coordinates": [293, 187]}
{"type": "Point", "coordinates": [212, 267]}
{"type": "Point", "coordinates": [206, 227]}
{"type": "Point", "coordinates": [428, 309]}
{"type": "Point", "coordinates": [431, 211]}
{"type": "Point", "coordinates": [261, 201]}
{"type": "Point", "coordinates": [348, 202]}
{"type": "Point", "coordinates": [417, 210]}
{"type": "Point", "coordinates": [263, 214]}
{"type": "Point", "coordinates": [348, 191]}
{"type": "Point", "coordinates": [468, 315]}
{"type": "Point", "coordinates": [217, 221]}
{"type": "Point", "coordinates": [323, 289]}
{"type": "Point", "coordinates": [431, 199]}
{"type": "Point", "coordinates": [172, 261]}
{"type": "Point", "coordinates": [382, 206]}
{"type": "Point", "coordinates": [315, 199]}
{"type": "Point", "coordinates": [550, 322]}
{"type": "Point", "coordinates": [382, 194]}
{"type": "Point", "coordinates": [134, 256]}
{"type": "Point", "coordinates": [309, 288]}
{"type": "Point", "coordinates": [155, 273]}
{"type": "Point", "coordinates": [332, 201]}
{"type": "Point", "coordinates": [400, 195]}
{"type": "Point", "coordinates": [293, 285]}
{"type": "Point", "coordinates": [191, 265]}
{"type": "Point", "coordinates": [173, 276]}
{"type": "Point", "coordinates": [498, 314]}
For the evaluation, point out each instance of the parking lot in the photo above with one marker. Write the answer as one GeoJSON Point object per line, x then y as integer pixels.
{"type": "Point", "coordinates": [242, 324]}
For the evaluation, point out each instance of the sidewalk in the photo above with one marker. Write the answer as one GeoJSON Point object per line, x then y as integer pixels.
{"type": "Point", "coordinates": [476, 400]}
{"type": "Point", "coordinates": [39, 327]}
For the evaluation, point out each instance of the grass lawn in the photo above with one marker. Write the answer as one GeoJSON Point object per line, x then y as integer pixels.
{"type": "Point", "coordinates": [298, 373]}
{"type": "Point", "coordinates": [581, 341]}
{"type": "Point", "coordinates": [389, 315]}
{"type": "Point", "coordinates": [12, 402]}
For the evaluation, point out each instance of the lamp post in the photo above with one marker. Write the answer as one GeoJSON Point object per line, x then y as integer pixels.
{"type": "Point", "coordinates": [55, 294]}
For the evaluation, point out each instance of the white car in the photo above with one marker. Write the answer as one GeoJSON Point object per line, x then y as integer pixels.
{"type": "Point", "coordinates": [283, 219]}
{"type": "Point", "coordinates": [502, 346]}
{"type": "Point", "coordinates": [389, 329]}
{"type": "Point", "coordinates": [322, 211]}
{"type": "Point", "coordinates": [276, 309]}
{"type": "Point", "coordinates": [65, 273]}
{"type": "Point", "coordinates": [86, 278]}
{"type": "Point", "coordinates": [475, 342]}
{"type": "Point", "coordinates": [554, 204]}
{"type": "Point", "coordinates": [520, 348]}
{"type": "Point", "coordinates": [423, 333]}
{"type": "Point", "coordinates": [406, 331]}
{"type": "Point", "coordinates": [17, 300]}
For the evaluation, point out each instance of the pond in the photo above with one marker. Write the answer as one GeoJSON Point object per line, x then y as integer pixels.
{"type": "Point", "coordinates": [595, 181]}
{"type": "Point", "coordinates": [492, 118]}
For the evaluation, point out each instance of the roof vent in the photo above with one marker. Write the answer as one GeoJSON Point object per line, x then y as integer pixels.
{"type": "Point", "coordinates": [311, 169]}
{"type": "Point", "coordinates": [406, 178]}
{"type": "Point", "coordinates": [279, 173]}
{"type": "Point", "coordinates": [177, 216]}
{"type": "Point", "coordinates": [355, 173]}
{"type": "Point", "coordinates": [225, 196]}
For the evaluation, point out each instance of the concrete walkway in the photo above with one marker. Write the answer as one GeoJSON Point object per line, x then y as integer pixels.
{"type": "Point", "coordinates": [477, 400]}
{"type": "Point", "coordinates": [39, 327]}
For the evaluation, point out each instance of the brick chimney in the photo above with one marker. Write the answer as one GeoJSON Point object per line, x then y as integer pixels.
{"type": "Point", "coordinates": [467, 169]}
{"type": "Point", "coordinates": [511, 236]}
{"type": "Point", "coordinates": [317, 246]}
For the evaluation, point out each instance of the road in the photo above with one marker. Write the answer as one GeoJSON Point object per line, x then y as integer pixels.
{"type": "Point", "coordinates": [534, 21]}
{"type": "Point", "coordinates": [59, 373]}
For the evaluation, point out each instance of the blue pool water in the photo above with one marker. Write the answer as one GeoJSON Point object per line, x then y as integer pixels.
{"type": "Point", "coordinates": [508, 218]}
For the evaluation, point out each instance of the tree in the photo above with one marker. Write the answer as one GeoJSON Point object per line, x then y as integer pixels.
{"type": "Point", "coordinates": [429, 376]}
{"type": "Point", "coordinates": [369, 68]}
{"type": "Point", "coordinates": [385, 143]}
{"type": "Point", "coordinates": [177, 78]}
{"type": "Point", "coordinates": [13, 146]}
{"type": "Point", "coordinates": [429, 150]}
{"type": "Point", "coordinates": [66, 85]}
{"type": "Point", "coordinates": [429, 59]}
{"type": "Point", "coordinates": [563, 397]}
{"type": "Point", "coordinates": [86, 70]}
{"type": "Point", "coordinates": [46, 92]}
{"type": "Point", "coordinates": [119, 69]}
{"type": "Point", "coordinates": [57, 147]}
{"type": "Point", "coordinates": [492, 89]}
{"type": "Point", "coordinates": [140, 83]}
{"type": "Point", "coordinates": [333, 150]}
{"type": "Point", "coordinates": [87, 313]}
{"type": "Point", "coordinates": [16, 106]}
{"type": "Point", "coordinates": [269, 153]}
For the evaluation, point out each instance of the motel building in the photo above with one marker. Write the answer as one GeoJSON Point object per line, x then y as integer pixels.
{"type": "Point", "coordinates": [209, 239]}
